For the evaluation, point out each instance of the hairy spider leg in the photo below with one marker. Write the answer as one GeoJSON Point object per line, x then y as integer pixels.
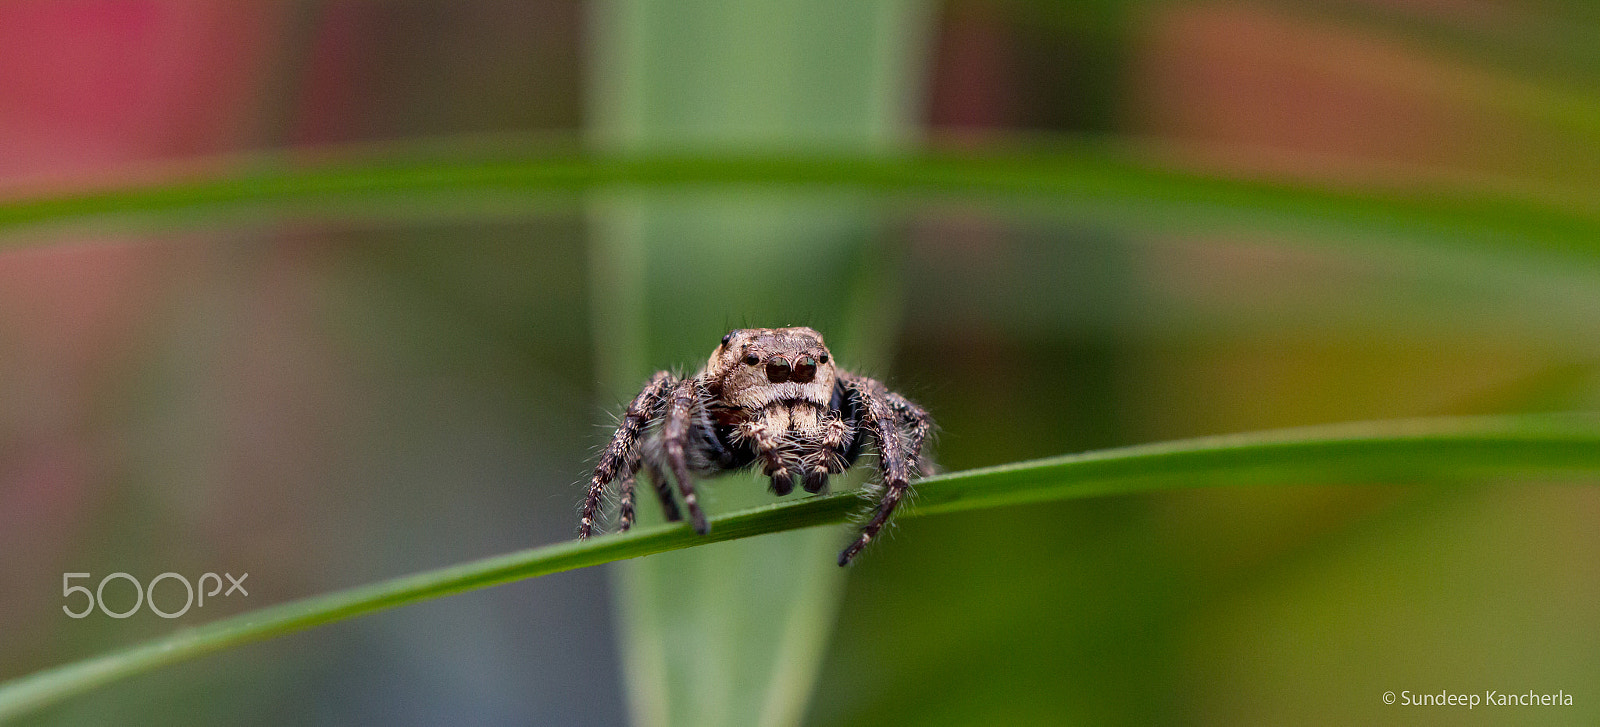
{"type": "Point", "coordinates": [880, 418]}
{"type": "Point", "coordinates": [626, 482]}
{"type": "Point", "coordinates": [681, 404]}
{"type": "Point", "coordinates": [669, 506]}
{"type": "Point", "coordinates": [640, 411]}
{"type": "Point", "coordinates": [919, 424]}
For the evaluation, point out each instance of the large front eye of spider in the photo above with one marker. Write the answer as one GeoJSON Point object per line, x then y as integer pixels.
{"type": "Point", "coordinates": [804, 370]}
{"type": "Point", "coordinates": [778, 369]}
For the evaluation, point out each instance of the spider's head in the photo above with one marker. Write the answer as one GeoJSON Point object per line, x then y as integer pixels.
{"type": "Point", "coordinates": [756, 366]}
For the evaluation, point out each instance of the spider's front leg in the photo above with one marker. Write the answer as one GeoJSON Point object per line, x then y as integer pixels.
{"type": "Point", "coordinates": [620, 452]}
{"type": "Point", "coordinates": [682, 404]}
{"type": "Point", "coordinates": [880, 416]}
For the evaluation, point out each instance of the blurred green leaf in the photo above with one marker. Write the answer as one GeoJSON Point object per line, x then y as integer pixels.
{"type": "Point", "coordinates": [734, 635]}
{"type": "Point", "coordinates": [1092, 180]}
{"type": "Point", "coordinates": [1448, 449]}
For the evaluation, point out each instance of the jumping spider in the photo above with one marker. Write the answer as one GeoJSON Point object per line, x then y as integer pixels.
{"type": "Point", "coordinates": [771, 396]}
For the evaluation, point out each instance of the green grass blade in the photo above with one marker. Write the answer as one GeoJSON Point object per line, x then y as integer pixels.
{"type": "Point", "coordinates": [1402, 451]}
{"type": "Point", "coordinates": [1095, 180]}
{"type": "Point", "coordinates": [734, 635]}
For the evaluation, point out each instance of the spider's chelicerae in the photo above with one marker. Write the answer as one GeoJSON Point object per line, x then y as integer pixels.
{"type": "Point", "coordinates": [767, 396]}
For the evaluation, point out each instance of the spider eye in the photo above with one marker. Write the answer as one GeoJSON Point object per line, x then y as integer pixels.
{"type": "Point", "coordinates": [778, 370]}
{"type": "Point", "coordinates": [823, 358]}
{"type": "Point", "coordinates": [804, 370]}
{"type": "Point", "coordinates": [727, 337]}
{"type": "Point", "coordinates": [751, 359]}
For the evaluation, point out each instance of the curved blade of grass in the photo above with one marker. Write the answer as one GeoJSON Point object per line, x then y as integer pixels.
{"type": "Point", "coordinates": [1087, 178]}
{"type": "Point", "coordinates": [1401, 451]}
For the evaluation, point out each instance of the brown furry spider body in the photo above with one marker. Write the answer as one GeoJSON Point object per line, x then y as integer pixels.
{"type": "Point", "coordinates": [767, 396]}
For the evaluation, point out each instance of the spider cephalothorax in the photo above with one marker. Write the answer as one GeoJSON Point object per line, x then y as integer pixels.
{"type": "Point", "coordinates": [771, 397]}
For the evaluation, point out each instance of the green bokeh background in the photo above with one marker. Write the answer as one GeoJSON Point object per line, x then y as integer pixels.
{"type": "Point", "coordinates": [340, 397]}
